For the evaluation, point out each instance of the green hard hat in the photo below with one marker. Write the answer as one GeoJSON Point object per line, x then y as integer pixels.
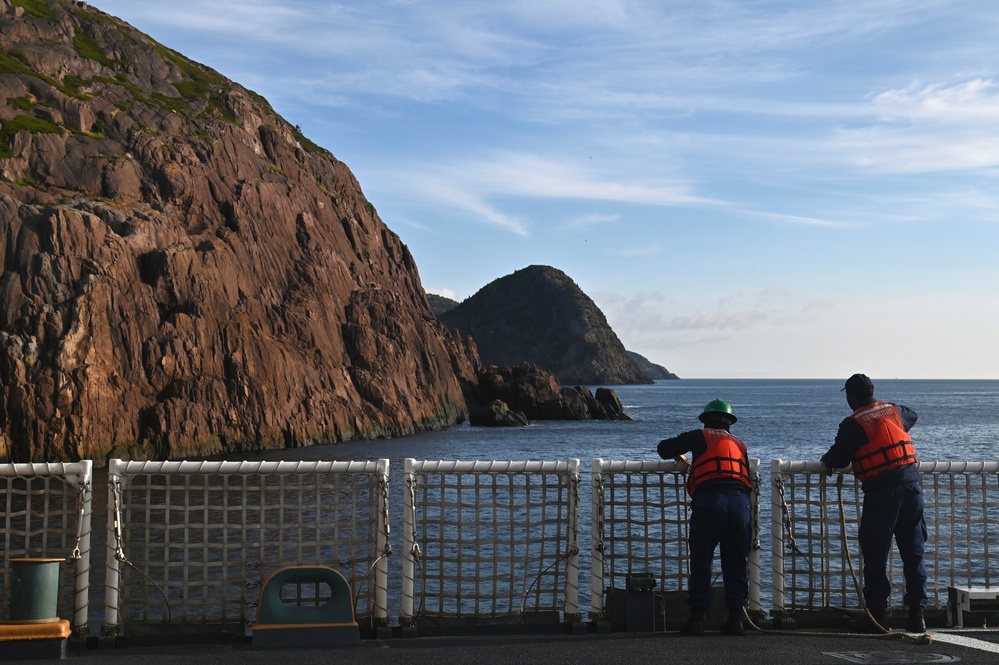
{"type": "Point", "coordinates": [717, 406]}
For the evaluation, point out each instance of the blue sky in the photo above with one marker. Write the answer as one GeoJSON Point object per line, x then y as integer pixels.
{"type": "Point", "coordinates": [753, 188]}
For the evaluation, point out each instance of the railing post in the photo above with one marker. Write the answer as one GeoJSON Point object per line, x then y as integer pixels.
{"type": "Point", "coordinates": [408, 615]}
{"type": "Point", "coordinates": [754, 552]}
{"type": "Point", "coordinates": [776, 540]}
{"type": "Point", "coordinates": [81, 599]}
{"type": "Point", "coordinates": [572, 546]}
{"type": "Point", "coordinates": [597, 539]}
{"type": "Point", "coordinates": [382, 546]}
{"type": "Point", "coordinates": [112, 584]}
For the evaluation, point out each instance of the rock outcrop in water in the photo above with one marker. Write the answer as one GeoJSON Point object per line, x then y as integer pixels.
{"type": "Point", "coordinates": [182, 272]}
{"type": "Point", "coordinates": [534, 393]}
{"type": "Point", "coordinates": [540, 316]}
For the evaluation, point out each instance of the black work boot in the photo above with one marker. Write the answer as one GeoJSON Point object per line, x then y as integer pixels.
{"type": "Point", "coordinates": [916, 623]}
{"type": "Point", "coordinates": [880, 617]}
{"type": "Point", "coordinates": [871, 624]}
{"type": "Point", "coordinates": [734, 624]}
{"type": "Point", "coordinates": [695, 624]}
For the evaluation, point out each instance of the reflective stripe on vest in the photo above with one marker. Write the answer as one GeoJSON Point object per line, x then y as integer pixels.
{"type": "Point", "coordinates": [726, 458]}
{"type": "Point", "coordinates": [888, 444]}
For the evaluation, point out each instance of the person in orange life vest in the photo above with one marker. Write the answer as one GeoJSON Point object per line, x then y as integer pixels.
{"type": "Point", "coordinates": [721, 513]}
{"type": "Point", "coordinates": [875, 440]}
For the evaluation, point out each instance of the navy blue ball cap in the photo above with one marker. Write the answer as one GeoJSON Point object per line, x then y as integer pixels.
{"type": "Point", "coordinates": [859, 384]}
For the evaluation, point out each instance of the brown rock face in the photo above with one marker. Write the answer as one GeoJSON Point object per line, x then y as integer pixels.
{"type": "Point", "coordinates": [182, 272]}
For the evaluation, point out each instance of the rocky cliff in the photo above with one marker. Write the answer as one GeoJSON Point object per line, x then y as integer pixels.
{"type": "Point", "coordinates": [651, 369]}
{"type": "Point", "coordinates": [182, 271]}
{"type": "Point", "coordinates": [442, 305]}
{"type": "Point", "coordinates": [540, 316]}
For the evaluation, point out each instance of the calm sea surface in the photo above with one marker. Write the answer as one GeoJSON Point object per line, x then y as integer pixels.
{"type": "Point", "coordinates": [778, 419]}
{"type": "Point", "coordinates": [784, 419]}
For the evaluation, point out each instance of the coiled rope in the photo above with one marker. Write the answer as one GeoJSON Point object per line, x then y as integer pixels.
{"type": "Point", "coordinates": [922, 638]}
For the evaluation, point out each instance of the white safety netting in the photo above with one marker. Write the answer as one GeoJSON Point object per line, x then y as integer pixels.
{"type": "Point", "coordinates": [640, 514]}
{"type": "Point", "coordinates": [487, 541]}
{"type": "Point", "coordinates": [962, 520]}
{"type": "Point", "coordinates": [490, 541]}
{"type": "Point", "coordinates": [191, 542]}
{"type": "Point", "coordinates": [46, 513]}
{"type": "Point", "coordinates": [815, 554]}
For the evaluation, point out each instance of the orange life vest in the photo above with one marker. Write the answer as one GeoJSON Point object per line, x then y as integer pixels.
{"type": "Point", "coordinates": [888, 444]}
{"type": "Point", "coordinates": [725, 458]}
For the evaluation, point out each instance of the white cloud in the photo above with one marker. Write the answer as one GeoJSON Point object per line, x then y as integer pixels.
{"type": "Point", "coordinates": [802, 220]}
{"type": "Point", "coordinates": [527, 174]}
{"type": "Point", "coordinates": [480, 186]}
{"type": "Point", "coordinates": [975, 101]}
{"type": "Point", "coordinates": [807, 121]}
{"type": "Point", "coordinates": [445, 193]}
{"type": "Point", "coordinates": [927, 128]}
{"type": "Point", "coordinates": [649, 319]}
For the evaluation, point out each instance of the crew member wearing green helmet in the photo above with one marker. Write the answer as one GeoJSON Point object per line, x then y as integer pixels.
{"type": "Point", "coordinates": [721, 513]}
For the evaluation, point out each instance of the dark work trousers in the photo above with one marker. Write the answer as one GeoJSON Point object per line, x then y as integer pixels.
{"type": "Point", "coordinates": [723, 518]}
{"type": "Point", "coordinates": [897, 511]}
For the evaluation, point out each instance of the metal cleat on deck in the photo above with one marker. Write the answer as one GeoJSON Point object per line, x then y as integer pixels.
{"type": "Point", "coordinates": [318, 624]}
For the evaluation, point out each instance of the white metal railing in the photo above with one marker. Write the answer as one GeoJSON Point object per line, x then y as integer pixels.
{"type": "Point", "coordinates": [200, 537]}
{"type": "Point", "coordinates": [483, 540]}
{"type": "Point", "coordinates": [811, 567]}
{"type": "Point", "coordinates": [639, 513]}
{"type": "Point", "coordinates": [490, 540]}
{"type": "Point", "coordinates": [46, 513]}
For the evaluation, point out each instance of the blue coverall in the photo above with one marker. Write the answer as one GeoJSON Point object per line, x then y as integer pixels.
{"type": "Point", "coordinates": [893, 505]}
{"type": "Point", "coordinates": [721, 514]}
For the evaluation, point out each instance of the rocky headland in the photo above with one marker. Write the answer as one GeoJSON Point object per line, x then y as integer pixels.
{"type": "Point", "coordinates": [651, 369]}
{"type": "Point", "coordinates": [182, 271]}
{"type": "Point", "coordinates": [540, 316]}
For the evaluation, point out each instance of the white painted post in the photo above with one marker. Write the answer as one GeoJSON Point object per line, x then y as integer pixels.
{"type": "Point", "coordinates": [776, 541]}
{"type": "Point", "coordinates": [597, 538]}
{"type": "Point", "coordinates": [408, 615]}
{"type": "Point", "coordinates": [572, 563]}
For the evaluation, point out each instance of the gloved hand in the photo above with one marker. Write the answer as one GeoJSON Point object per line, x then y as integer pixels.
{"type": "Point", "coordinates": [826, 469]}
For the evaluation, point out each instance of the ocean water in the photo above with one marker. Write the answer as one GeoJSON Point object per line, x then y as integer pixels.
{"type": "Point", "coordinates": [785, 419]}
{"type": "Point", "coordinates": [778, 419]}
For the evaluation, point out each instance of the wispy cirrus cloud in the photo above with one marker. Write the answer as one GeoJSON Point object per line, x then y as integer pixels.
{"type": "Point", "coordinates": [650, 318]}
{"type": "Point", "coordinates": [973, 100]}
{"type": "Point", "coordinates": [651, 126]}
{"type": "Point", "coordinates": [481, 186]}
{"type": "Point", "coordinates": [927, 128]}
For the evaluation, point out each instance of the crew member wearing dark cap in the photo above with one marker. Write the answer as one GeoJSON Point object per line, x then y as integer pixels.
{"type": "Point", "coordinates": [875, 440]}
{"type": "Point", "coordinates": [721, 513]}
